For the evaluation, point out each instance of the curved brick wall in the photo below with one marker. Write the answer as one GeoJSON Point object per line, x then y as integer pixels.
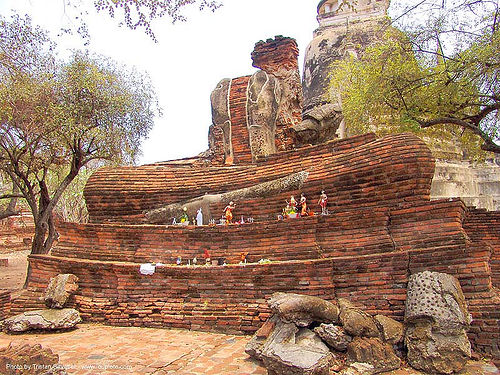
{"type": "Point", "coordinates": [425, 236]}
{"type": "Point", "coordinates": [229, 299]}
{"type": "Point", "coordinates": [340, 234]}
{"type": "Point", "coordinates": [355, 172]}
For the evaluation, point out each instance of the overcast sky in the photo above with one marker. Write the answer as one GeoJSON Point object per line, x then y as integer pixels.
{"type": "Point", "coordinates": [189, 60]}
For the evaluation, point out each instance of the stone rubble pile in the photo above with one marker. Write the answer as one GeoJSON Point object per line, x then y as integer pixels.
{"type": "Point", "coordinates": [310, 336]}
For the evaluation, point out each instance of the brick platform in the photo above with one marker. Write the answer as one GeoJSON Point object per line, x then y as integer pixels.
{"type": "Point", "coordinates": [16, 233]}
{"type": "Point", "coordinates": [232, 298]}
{"type": "Point", "coordinates": [382, 229]}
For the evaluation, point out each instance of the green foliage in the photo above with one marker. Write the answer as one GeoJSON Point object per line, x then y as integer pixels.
{"type": "Point", "coordinates": [107, 108]}
{"type": "Point", "coordinates": [394, 87]}
{"type": "Point", "coordinates": [58, 118]}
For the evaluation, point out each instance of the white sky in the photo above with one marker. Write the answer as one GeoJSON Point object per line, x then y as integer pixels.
{"type": "Point", "coordinates": [189, 60]}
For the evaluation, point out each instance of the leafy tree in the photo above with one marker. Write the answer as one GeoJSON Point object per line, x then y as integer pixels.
{"type": "Point", "coordinates": [437, 80]}
{"type": "Point", "coordinates": [63, 116]}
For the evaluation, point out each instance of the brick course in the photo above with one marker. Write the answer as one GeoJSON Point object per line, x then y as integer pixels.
{"type": "Point", "coordinates": [340, 234]}
{"type": "Point", "coordinates": [4, 304]}
{"type": "Point", "coordinates": [482, 225]}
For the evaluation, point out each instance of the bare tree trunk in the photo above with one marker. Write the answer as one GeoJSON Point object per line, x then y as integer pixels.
{"type": "Point", "coordinates": [52, 236]}
{"type": "Point", "coordinates": [41, 228]}
{"type": "Point", "coordinates": [45, 230]}
{"type": "Point", "coordinates": [37, 247]}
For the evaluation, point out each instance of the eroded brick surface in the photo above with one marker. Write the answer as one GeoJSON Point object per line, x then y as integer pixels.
{"type": "Point", "coordinates": [93, 349]}
{"type": "Point", "coordinates": [482, 225]}
{"type": "Point", "coordinates": [357, 172]}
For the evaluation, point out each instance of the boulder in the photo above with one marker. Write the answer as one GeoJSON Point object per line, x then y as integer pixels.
{"type": "Point", "coordinates": [28, 359]}
{"type": "Point", "coordinates": [300, 353]}
{"type": "Point", "coordinates": [59, 290]}
{"type": "Point", "coordinates": [356, 322]}
{"type": "Point", "coordinates": [256, 343]}
{"type": "Point", "coordinates": [436, 319]}
{"type": "Point", "coordinates": [334, 336]}
{"type": "Point", "coordinates": [303, 310]}
{"type": "Point", "coordinates": [374, 352]}
{"type": "Point", "coordinates": [433, 352]}
{"type": "Point", "coordinates": [437, 296]}
{"type": "Point", "coordinates": [42, 320]}
{"type": "Point", "coordinates": [390, 329]}
{"type": "Point", "coordinates": [286, 349]}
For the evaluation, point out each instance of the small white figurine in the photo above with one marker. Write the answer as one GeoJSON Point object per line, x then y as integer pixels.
{"type": "Point", "coordinates": [199, 217]}
{"type": "Point", "coordinates": [323, 202]}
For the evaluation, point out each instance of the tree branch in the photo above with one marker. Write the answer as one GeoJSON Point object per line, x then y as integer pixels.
{"type": "Point", "coordinates": [483, 113]}
{"type": "Point", "coordinates": [7, 213]}
{"type": "Point", "coordinates": [488, 144]}
{"type": "Point", "coordinates": [11, 196]}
